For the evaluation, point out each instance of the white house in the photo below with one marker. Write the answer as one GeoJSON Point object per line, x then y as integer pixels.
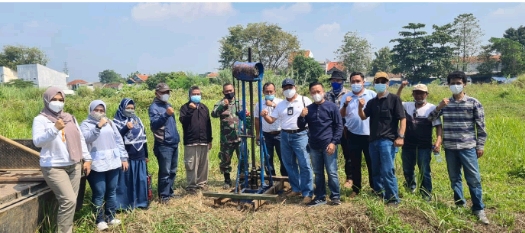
{"type": "Point", "coordinates": [41, 76]}
{"type": "Point", "coordinates": [6, 74]}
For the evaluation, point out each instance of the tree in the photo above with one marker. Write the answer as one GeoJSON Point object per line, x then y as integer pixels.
{"type": "Point", "coordinates": [516, 34]}
{"type": "Point", "coordinates": [355, 52]}
{"type": "Point", "coordinates": [307, 68]}
{"type": "Point", "coordinates": [410, 55]}
{"type": "Point", "coordinates": [383, 61]}
{"type": "Point", "coordinates": [488, 63]}
{"type": "Point", "coordinates": [12, 56]}
{"type": "Point", "coordinates": [19, 83]}
{"type": "Point", "coordinates": [512, 55]}
{"type": "Point", "coordinates": [270, 45]}
{"type": "Point", "coordinates": [442, 50]}
{"type": "Point", "coordinates": [110, 76]}
{"type": "Point", "coordinates": [467, 35]}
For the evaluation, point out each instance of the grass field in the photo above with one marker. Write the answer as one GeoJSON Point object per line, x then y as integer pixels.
{"type": "Point", "coordinates": [502, 172]}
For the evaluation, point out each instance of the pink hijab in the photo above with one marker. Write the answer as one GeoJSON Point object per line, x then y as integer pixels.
{"type": "Point", "coordinates": [72, 133]}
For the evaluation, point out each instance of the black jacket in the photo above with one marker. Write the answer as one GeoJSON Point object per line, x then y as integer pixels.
{"type": "Point", "coordinates": [196, 124]}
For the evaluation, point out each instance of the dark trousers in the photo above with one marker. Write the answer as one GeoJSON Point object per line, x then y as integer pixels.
{"type": "Point", "coordinates": [167, 156]}
{"type": "Point", "coordinates": [274, 141]}
{"type": "Point", "coordinates": [357, 144]}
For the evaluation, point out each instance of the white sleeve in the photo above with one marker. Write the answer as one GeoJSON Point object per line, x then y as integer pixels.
{"type": "Point", "coordinates": [256, 110]}
{"type": "Point", "coordinates": [41, 134]}
{"type": "Point", "coordinates": [277, 110]}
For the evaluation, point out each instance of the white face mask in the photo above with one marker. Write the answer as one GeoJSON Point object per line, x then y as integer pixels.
{"type": "Point", "coordinates": [317, 97]}
{"type": "Point", "coordinates": [456, 89]}
{"type": "Point", "coordinates": [56, 106]}
{"type": "Point", "coordinates": [289, 93]}
{"type": "Point", "coordinates": [165, 97]}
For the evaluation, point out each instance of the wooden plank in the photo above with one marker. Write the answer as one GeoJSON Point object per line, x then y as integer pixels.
{"type": "Point", "coordinates": [20, 146]}
{"type": "Point", "coordinates": [21, 179]}
{"type": "Point", "coordinates": [248, 196]}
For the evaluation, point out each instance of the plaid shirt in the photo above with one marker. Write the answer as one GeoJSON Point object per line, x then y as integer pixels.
{"type": "Point", "coordinates": [461, 119]}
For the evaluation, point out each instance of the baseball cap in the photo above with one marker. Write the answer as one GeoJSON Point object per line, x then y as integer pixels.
{"type": "Point", "coordinates": [338, 75]}
{"type": "Point", "coordinates": [162, 87]}
{"type": "Point", "coordinates": [381, 75]}
{"type": "Point", "coordinates": [288, 81]}
{"type": "Point", "coordinates": [420, 87]}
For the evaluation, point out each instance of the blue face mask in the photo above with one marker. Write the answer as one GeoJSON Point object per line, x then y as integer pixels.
{"type": "Point", "coordinates": [357, 87]}
{"type": "Point", "coordinates": [380, 87]}
{"type": "Point", "coordinates": [195, 99]}
{"type": "Point", "coordinates": [269, 97]}
{"type": "Point", "coordinates": [337, 86]}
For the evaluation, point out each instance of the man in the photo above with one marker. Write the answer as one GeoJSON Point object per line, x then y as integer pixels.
{"type": "Point", "coordinates": [294, 141]}
{"type": "Point", "coordinates": [418, 139]}
{"type": "Point", "coordinates": [386, 117]}
{"type": "Point", "coordinates": [166, 147]}
{"type": "Point", "coordinates": [335, 95]}
{"type": "Point", "coordinates": [325, 130]}
{"type": "Point", "coordinates": [271, 132]}
{"type": "Point", "coordinates": [357, 133]}
{"type": "Point", "coordinates": [226, 109]}
{"type": "Point", "coordinates": [464, 114]}
{"type": "Point", "coordinates": [197, 139]}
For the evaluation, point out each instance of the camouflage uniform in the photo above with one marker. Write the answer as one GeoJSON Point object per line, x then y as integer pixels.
{"type": "Point", "coordinates": [230, 139]}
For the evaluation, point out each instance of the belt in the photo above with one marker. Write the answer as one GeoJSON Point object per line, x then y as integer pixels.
{"type": "Point", "coordinates": [294, 131]}
{"type": "Point", "coordinates": [273, 132]}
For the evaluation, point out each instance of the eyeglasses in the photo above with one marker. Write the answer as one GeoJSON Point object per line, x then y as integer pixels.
{"type": "Point", "coordinates": [382, 81]}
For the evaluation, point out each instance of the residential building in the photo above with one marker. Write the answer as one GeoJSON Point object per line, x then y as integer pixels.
{"type": "Point", "coordinates": [137, 79]}
{"type": "Point", "coordinates": [117, 86]}
{"type": "Point", "coordinates": [6, 74]}
{"type": "Point", "coordinates": [42, 76]}
{"type": "Point", "coordinates": [75, 84]}
{"type": "Point", "coordinates": [306, 53]}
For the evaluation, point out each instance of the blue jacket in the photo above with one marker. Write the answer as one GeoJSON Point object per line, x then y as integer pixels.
{"type": "Point", "coordinates": [325, 125]}
{"type": "Point", "coordinates": [163, 126]}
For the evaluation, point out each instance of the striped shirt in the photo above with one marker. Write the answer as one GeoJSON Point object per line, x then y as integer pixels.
{"type": "Point", "coordinates": [463, 124]}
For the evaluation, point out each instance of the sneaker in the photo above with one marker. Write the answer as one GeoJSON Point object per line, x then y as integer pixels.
{"type": "Point", "coordinates": [335, 201]}
{"type": "Point", "coordinates": [114, 222]}
{"type": "Point", "coordinates": [191, 191]}
{"type": "Point", "coordinates": [481, 216]}
{"type": "Point", "coordinates": [164, 200]}
{"type": "Point", "coordinates": [102, 226]}
{"type": "Point", "coordinates": [315, 202]}
{"type": "Point", "coordinates": [307, 200]}
{"type": "Point", "coordinates": [226, 186]}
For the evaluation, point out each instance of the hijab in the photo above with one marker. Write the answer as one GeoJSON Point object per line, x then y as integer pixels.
{"type": "Point", "coordinates": [134, 136]}
{"type": "Point", "coordinates": [72, 134]}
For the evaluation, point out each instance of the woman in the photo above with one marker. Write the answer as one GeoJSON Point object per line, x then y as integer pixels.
{"type": "Point", "coordinates": [63, 148]}
{"type": "Point", "coordinates": [108, 153]}
{"type": "Point", "coordinates": [132, 187]}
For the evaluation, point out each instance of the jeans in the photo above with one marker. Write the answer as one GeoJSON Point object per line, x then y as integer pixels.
{"type": "Point", "coordinates": [357, 145]}
{"type": "Point", "coordinates": [274, 141]}
{"type": "Point", "coordinates": [297, 162]}
{"type": "Point", "coordinates": [409, 158]}
{"type": "Point", "coordinates": [167, 157]}
{"type": "Point", "coordinates": [104, 187]}
{"type": "Point", "coordinates": [466, 158]}
{"type": "Point", "coordinates": [382, 154]}
{"type": "Point", "coordinates": [321, 160]}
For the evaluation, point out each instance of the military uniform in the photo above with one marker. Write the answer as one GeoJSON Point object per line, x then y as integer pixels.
{"type": "Point", "coordinates": [229, 131]}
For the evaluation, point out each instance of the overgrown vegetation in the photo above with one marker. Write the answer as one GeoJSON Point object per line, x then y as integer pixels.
{"type": "Point", "coordinates": [501, 171]}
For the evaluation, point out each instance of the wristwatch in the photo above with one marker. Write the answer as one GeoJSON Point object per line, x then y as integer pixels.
{"type": "Point", "coordinates": [402, 136]}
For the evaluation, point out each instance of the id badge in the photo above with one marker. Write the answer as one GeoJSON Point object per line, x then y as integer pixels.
{"type": "Point", "coordinates": [290, 111]}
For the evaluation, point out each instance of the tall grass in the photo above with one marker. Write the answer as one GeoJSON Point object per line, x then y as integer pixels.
{"type": "Point", "coordinates": [502, 171]}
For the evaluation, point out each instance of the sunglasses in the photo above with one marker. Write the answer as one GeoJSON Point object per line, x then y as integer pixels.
{"type": "Point", "coordinates": [382, 81]}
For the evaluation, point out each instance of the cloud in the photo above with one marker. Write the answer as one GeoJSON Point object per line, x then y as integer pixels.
{"type": "Point", "coordinates": [509, 12]}
{"type": "Point", "coordinates": [285, 14]}
{"type": "Point", "coordinates": [364, 6]}
{"type": "Point", "coordinates": [184, 11]}
{"type": "Point", "coordinates": [327, 32]}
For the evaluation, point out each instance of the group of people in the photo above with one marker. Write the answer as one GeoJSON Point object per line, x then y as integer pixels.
{"type": "Point", "coordinates": [305, 136]}
{"type": "Point", "coordinates": [373, 124]}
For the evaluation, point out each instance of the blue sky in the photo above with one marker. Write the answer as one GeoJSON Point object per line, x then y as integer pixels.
{"type": "Point", "coordinates": [153, 37]}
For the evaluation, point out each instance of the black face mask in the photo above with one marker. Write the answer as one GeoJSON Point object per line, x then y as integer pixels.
{"type": "Point", "coordinates": [229, 95]}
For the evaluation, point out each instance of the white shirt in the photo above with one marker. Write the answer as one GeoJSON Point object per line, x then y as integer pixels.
{"type": "Point", "coordinates": [354, 124]}
{"type": "Point", "coordinates": [422, 112]}
{"type": "Point", "coordinates": [54, 151]}
{"type": "Point", "coordinates": [289, 122]}
{"type": "Point", "coordinates": [266, 127]}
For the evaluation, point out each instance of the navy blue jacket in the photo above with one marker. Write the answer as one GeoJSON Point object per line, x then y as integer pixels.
{"type": "Point", "coordinates": [164, 126]}
{"type": "Point", "coordinates": [325, 125]}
